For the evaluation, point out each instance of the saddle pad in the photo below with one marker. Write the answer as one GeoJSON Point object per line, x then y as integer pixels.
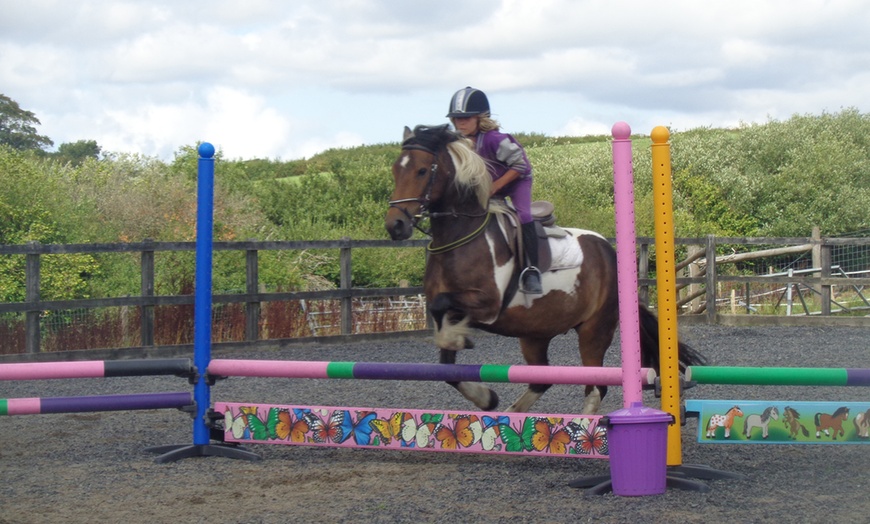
{"type": "Point", "coordinates": [566, 252]}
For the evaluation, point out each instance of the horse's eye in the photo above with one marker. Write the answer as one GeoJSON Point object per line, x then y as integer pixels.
{"type": "Point", "coordinates": [422, 171]}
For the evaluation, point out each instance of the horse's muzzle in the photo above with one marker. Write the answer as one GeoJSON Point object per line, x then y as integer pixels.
{"type": "Point", "coordinates": [398, 225]}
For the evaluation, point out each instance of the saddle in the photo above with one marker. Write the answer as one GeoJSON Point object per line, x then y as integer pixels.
{"type": "Point", "coordinates": [545, 226]}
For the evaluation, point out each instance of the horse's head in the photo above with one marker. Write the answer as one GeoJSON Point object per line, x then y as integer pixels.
{"type": "Point", "coordinates": [434, 161]}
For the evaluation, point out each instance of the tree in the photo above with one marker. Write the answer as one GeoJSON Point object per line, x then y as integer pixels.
{"type": "Point", "coordinates": [77, 152]}
{"type": "Point", "coordinates": [17, 127]}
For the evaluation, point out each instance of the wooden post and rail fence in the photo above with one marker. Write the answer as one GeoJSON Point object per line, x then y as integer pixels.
{"type": "Point", "coordinates": [704, 273]}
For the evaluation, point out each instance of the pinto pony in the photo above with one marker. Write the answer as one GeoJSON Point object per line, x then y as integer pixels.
{"type": "Point", "coordinates": [725, 421]}
{"type": "Point", "coordinates": [472, 269]}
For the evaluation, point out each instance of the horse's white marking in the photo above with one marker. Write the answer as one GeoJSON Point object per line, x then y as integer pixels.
{"type": "Point", "coordinates": [562, 280]}
{"type": "Point", "coordinates": [502, 275]}
{"type": "Point", "coordinates": [404, 161]}
{"type": "Point", "coordinates": [452, 336]}
{"type": "Point", "coordinates": [591, 403]}
{"type": "Point", "coordinates": [475, 392]}
{"type": "Point", "coordinates": [526, 400]}
{"type": "Point", "coordinates": [551, 280]}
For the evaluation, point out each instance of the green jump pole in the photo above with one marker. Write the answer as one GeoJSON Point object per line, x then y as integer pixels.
{"type": "Point", "coordinates": [768, 376]}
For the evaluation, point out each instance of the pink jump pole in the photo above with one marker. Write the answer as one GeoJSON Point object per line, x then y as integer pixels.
{"type": "Point", "coordinates": [626, 264]}
{"type": "Point", "coordinates": [633, 446]}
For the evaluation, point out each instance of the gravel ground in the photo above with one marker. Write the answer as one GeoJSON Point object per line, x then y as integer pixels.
{"type": "Point", "coordinates": [94, 467]}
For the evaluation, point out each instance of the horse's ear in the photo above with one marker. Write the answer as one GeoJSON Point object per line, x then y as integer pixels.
{"type": "Point", "coordinates": [408, 133]}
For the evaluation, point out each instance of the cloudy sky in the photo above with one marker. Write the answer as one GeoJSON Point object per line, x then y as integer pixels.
{"type": "Point", "coordinates": [286, 79]}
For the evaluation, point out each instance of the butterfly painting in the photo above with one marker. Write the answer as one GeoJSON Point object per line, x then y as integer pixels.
{"type": "Point", "coordinates": [590, 441]}
{"type": "Point", "coordinates": [518, 441]}
{"type": "Point", "coordinates": [290, 428]}
{"type": "Point", "coordinates": [465, 431]}
{"type": "Point", "coordinates": [334, 428]}
{"type": "Point", "coordinates": [421, 433]}
{"type": "Point", "coordinates": [361, 429]}
{"type": "Point", "coordinates": [398, 426]}
{"type": "Point", "coordinates": [490, 436]}
{"type": "Point", "coordinates": [546, 437]}
{"type": "Point", "coordinates": [261, 429]}
{"type": "Point", "coordinates": [238, 425]}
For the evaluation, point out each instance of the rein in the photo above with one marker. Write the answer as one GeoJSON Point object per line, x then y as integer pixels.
{"type": "Point", "coordinates": [462, 241]}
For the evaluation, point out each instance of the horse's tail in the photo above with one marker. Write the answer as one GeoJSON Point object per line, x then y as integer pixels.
{"type": "Point", "coordinates": [817, 420]}
{"type": "Point", "coordinates": [804, 430]}
{"type": "Point", "coordinates": [649, 344]}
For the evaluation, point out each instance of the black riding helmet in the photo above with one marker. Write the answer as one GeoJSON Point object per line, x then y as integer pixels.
{"type": "Point", "coordinates": [468, 102]}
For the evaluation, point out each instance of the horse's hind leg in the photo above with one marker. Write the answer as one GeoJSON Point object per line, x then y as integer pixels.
{"type": "Point", "coordinates": [535, 353]}
{"type": "Point", "coordinates": [482, 397]}
{"type": "Point", "coordinates": [594, 337]}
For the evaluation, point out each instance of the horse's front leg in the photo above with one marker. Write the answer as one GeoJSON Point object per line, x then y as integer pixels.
{"type": "Point", "coordinates": [451, 335]}
{"type": "Point", "coordinates": [482, 397]}
{"type": "Point", "coordinates": [535, 353]}
{"type": "Point", "coordinates": [451, 324]}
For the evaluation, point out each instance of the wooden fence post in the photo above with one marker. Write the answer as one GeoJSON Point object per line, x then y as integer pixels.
{"type": "Point", "coordinates": [711, 280]}
{"type": "Point", "coordinates": [147, 284]}
{"type": "Point", "coordinates": [643, 273]}
{"type": "Point", "coordinates": [346, 284]}
{"type": "Point", "coordinates": [817, 254]}
{"type": "Point", "coordinates": [31, 296]}
{"type": "Point", "coordinates": [826, 258]}
{"type": "Point", "coordinates": [693, 252]}
{"type": "Point", "coordinates": [252, 286]}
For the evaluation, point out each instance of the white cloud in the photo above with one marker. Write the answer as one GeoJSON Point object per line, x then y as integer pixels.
{"type": "Point", "coordinates": [243, 125]}
{"type": "Point", "coordinates": [743, 53]}
{"type": "Point", "coordinates": [236, 122]}
{"type": "Point", "coordinates": [581, 127]}
{"type": "Point", "coordinates": [311, 146]}
{"type": "Point", "coordinates": [270, 78]}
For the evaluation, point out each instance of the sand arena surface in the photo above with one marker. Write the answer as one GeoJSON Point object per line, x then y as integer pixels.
{"type": "Point", "coordinates": [89, 467]}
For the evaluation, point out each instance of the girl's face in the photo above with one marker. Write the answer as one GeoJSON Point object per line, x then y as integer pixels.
{"type": "Point", "coordinates": [466, 125]}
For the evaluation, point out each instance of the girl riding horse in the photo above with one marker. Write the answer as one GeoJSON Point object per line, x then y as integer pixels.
{"type": "Point", "coordinates": [472, 270]}
{"type": "Point", "coordinates": [508, 166]}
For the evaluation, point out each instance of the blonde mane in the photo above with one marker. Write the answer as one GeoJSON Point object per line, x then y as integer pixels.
{"type": "Point", "coordinates": [471, 172]}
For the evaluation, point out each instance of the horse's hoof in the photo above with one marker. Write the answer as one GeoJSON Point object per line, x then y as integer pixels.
{"type": "Point", "coordinates": [493, 401]}
{"type": "Point", "coordinates": [468, 343]}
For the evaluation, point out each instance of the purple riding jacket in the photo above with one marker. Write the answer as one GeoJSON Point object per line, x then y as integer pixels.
{"type": "Point", "coordinates": [502, 152]}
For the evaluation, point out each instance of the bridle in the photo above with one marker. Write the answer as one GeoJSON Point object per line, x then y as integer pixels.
{"type": "Point", "coordinates": [425, 200]}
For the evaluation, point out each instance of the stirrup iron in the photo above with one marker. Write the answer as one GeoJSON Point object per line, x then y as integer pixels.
{"type": "Point", "coordinates": [532, 273]}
